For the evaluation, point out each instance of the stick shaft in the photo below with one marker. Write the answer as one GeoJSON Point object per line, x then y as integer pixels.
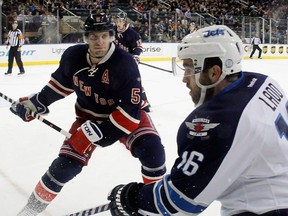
{"type": "Point", "coordinates": [40, 118]}
{"type": "Point", "coordinates": [152, 66]}
{"type": "Point", "coordinates": [92, 211]}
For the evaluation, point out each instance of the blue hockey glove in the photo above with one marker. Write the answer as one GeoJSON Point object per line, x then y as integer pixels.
{"type": "Point", "coordinates": [25, 105]}
{"type": "Point", "coordinates": [124, 199]}
{"type": "Point", "coordinates": [85, 136]}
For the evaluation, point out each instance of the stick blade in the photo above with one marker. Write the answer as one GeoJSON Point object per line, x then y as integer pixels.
{"type": "Point", "coordinates": [174, 66]}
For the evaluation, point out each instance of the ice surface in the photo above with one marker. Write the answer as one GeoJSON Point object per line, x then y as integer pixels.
{"type": "Point", "coordinates": [27, 149]}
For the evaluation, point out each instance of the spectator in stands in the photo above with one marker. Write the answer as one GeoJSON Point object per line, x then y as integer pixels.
{"type": "Point", "coordinates": [139, 7]}
{"type": "Point", "coordinates": [37, 20]}
{"type": "Point", "coordinates": [144, 32]}
{"type": "Point", "coordinates": [26, 40]}
{"type": "Point", "coordinates": [20, 19]}
{"type": "Point", "coordinates": [187, 14]}
{"type": "Point", "coordinates": [11, 18]}
{"type": "Point", "coordinates": [29, 21]}
{"type": "Point", "coordinates": [51, 19]}
{"type": "Point", "coordinates": [171, 28]}
{"type": "Point", "coordinates": [174, 5]}
{"type": "Point", "coordinates": [154, 32]}
{"type": "Point", "coordinates": [32, 8]}
{"type": "Point", "coordinates": [192, 27]}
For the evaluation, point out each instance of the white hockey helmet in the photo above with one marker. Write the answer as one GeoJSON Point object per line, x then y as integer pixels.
{"type": "Point", "coordinates": [213, 41]}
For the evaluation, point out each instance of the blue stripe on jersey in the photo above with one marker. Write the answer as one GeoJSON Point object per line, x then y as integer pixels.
{"type": "Point", "coordinates": [232, 85]}
{"type": "Point", "coordinates": [179, 201]}
{"type": "Point", "coordinates": [157, 197]}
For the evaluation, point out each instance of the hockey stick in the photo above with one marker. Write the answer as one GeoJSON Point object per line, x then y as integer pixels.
{"type": "Point", "coordinates": [169, 71]}
{"type": "Point", "coordinates": [92, 211]}
{"type": "Point", "coordinates": [40, 118]}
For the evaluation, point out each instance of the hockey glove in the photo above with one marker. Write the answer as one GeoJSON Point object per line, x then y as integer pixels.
{"type": "Point", "coordinates": [136, 58]}
{"type": "Point", "coordinates": [85, 136]}
{"type": "Point", "coordinates": [25, 105]}
{"type": "Point", "coordinates": [124, 199]}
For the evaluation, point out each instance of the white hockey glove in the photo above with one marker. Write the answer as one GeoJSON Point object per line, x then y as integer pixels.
{"type": "Point", "coordinates": [136, 58]}
{"type": "Point", "coordinates": [25, 105]}
{"type": "Point", "coordinates": [85, 136]}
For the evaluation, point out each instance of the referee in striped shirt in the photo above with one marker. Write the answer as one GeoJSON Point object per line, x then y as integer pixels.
{"type": "Point", "coordinates": [15, 40]}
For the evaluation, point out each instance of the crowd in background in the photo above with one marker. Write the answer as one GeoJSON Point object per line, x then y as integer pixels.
{"type": "Point", "coordinates": [156, 21]}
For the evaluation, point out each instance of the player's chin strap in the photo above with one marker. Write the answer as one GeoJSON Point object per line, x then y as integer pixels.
{"type": "Point", "coordinates": [92, 211]}
{"type": "Point", "coordinates": [205, 87]}
{"type": "Point", "coordinates": [39, 117]}
{"type": "Point", "coordinates": [169, 71]}
{"type": "Point", "coordinates": [202, 97]}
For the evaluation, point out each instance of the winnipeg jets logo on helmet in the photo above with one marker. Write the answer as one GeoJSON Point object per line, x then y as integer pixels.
{"type": "Point", "coordinates": [217, 32]}
{"type": "Point", "coordinates": [92, 71]}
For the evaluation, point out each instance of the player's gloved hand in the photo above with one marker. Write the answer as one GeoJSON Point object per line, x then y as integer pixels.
{"type": "Point", "coordinates": [136, 58]}
{"type": "Point", "coordinates": [124, 199]}
{"type": "Point", "coordinates": [85, 136]}
{"type": "Point", "coordinates": [25, 105]}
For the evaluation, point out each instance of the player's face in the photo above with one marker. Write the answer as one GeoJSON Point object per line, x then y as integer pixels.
{"type": "Point", "coordinates": [99, 43]}
{"type": "Point", "coordinates": [189, 80]}
{"type": "Point", "coordinates": [120, 23]}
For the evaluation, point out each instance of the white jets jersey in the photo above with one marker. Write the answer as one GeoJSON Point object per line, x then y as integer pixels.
{"type": "Point", "coordinates": [233, 148]}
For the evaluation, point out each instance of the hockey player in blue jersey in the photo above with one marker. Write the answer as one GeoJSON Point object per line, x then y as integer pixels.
{"type": "Point", "coordinates": [108, 86]}
{"type": "Point", "coordinates": [126, 37]}
{"type": "Point", "coordinates": [129, 40]}
{"type": "Point", "coordinates": [233, 147]}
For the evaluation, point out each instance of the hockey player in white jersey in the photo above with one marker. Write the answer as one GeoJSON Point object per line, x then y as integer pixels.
{"type": "Point", "coordinates": [233, 147]}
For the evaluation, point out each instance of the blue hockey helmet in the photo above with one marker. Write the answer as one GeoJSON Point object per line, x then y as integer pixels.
{"type": "Point", "coordinates": [98, 22]}
{"type": "Point", "coordinates": [122, 15]}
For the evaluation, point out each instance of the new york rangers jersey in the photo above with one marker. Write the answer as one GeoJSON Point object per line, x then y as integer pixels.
{"type": "Point", "coordinates": [109, 92]}
{"type": "Point", "coordinates": [129, 40]}
{"type": "Point", "coordinates": [234, 149]}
